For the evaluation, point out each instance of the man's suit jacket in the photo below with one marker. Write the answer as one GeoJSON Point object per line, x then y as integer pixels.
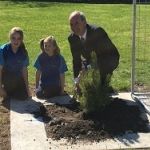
{"type": "Point", "coordinates": [96, 40]}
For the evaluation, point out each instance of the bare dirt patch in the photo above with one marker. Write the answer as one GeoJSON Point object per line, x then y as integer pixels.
{"type": "Point", "coordinates": [74, 124]}
{"type": "Point", "coordinates": [4, 126]}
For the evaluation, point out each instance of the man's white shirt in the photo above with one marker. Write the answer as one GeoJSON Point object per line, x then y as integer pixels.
{"type": "Point", "coordinates": [84, 35]}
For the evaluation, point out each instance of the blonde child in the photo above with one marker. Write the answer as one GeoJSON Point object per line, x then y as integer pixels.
{"type": "Point", "coordinates": [51, 68]}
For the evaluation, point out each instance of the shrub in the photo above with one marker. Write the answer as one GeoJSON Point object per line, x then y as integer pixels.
{"type": "Point", "coordinates": [94, 96]}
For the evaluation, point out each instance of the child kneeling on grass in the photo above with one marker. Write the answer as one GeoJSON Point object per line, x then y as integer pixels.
{"type": "Point", "coordinates": [13, 67]}
{"type": "Point", "coordinates": [51, 68]}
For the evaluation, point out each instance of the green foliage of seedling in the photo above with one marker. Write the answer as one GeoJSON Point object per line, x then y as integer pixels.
{"type": "Point", "coordinates": [95, 97]}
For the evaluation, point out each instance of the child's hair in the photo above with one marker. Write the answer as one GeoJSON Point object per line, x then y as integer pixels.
{"type": "Point", "coordinates": [53, 41]}
{"type": "Point", "coordinates": [42, 44]}
{"type": "Point", "coordinates": [16, 30]}
{"type": "Point", "coordinates": [20, 32]}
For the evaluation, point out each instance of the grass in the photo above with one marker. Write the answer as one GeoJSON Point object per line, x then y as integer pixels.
{"type": "Point", "coordinates": [39, 19]}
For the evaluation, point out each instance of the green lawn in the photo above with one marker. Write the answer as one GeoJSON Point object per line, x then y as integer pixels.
{"type": "Point", "coordinates": [42, 19]}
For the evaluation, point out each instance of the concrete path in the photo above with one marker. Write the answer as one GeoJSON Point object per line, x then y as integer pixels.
{"type": "Point", "coordinates": [128, 141]}
{"type": "Point", "coordinates": [28, 133]}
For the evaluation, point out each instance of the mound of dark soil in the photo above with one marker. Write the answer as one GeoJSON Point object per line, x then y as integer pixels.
{"type": "Point", "coordinates": [73, 123]}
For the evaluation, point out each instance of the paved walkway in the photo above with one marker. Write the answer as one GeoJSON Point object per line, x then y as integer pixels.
{"type": "Point", "coordinates": [27, 133]}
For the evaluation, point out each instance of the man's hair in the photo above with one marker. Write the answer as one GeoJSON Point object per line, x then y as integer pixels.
{"type": "Point", "coordinates": [80, 13]}
{"type": "Point", "coordinates": [82, 16]}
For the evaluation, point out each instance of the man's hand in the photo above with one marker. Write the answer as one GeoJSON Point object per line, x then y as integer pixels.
{"type": "Point", "coordinates": [77, 80]}
{"type": "Point", "coordinates": [3, 92]}
{"type": "Point", "coordinates": [76, 83]}
{"type": "Point", "coordinates": [37, 89]}
{"type": "Point", "coordinates": [78, 89]}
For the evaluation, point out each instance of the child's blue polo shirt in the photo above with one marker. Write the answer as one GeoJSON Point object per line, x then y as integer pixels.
{"type": "Point", "coordinates": [13, 62]}
{"type": "Point", "coordinates": [51, 67]}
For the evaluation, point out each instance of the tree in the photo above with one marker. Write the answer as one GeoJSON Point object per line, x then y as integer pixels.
{"type": "Point", "coordinates": [95, 97]}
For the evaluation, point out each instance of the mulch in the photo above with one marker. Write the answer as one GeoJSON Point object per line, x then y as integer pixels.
{"type": "Point", "coordinates": [73, 124]}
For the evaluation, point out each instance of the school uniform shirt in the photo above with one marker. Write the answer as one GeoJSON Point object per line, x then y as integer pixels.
{"type": "Point", "coordinates": [13, 62]}
{"type": "Point", "coordinates": [51, 67]}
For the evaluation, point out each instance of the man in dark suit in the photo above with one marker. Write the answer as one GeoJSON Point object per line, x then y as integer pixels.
{"type": "Point", "coordinates": [86, 38]}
